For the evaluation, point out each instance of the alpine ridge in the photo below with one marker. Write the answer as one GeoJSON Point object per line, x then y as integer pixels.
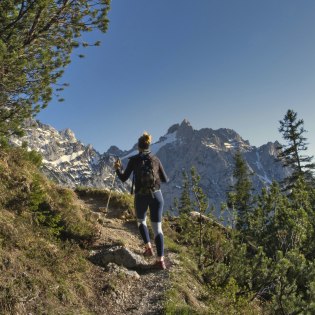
{"type": "Point", "coordinates": [71, 163]}
{"type": "Point", "coordinates": [68, 161]}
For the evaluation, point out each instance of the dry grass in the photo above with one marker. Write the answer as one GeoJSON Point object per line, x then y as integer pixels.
{"type": "Point", "coordinates": [42, 234]}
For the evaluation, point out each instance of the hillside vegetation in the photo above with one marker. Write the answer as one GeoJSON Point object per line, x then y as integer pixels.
{"type": "Point", "coordinates": [43, 232]}
{"type": "Point", "coordinates": [54, 243]}
{"type": "Point", "coordinates": [54, 250]}
{"type": "Point", "coordinates": [46, 240]}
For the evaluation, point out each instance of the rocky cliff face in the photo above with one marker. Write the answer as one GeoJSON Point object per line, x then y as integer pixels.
{"type": "Point", "coordinates": [67, 160]}
{"type": "Point", "coordinates": [72, 163]}
{"type": "Point", "coordinates": [212, 153]}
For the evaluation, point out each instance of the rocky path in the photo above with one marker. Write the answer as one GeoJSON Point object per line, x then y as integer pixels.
{"type": "Point", "coordinates": [127, 283]}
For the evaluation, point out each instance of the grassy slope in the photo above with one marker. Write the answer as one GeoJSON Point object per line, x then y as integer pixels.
{"type": "Point", "coordinates": [43, 236]}
{"type": "Point", "coordinates": [43, 232]}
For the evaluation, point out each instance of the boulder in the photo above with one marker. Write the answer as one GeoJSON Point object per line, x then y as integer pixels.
{"type": "Point", "coordinates": [121, 256]}
{"type": "Point", "coordinates": [115, 269]}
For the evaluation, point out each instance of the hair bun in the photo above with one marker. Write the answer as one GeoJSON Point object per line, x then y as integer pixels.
{"type": "Point", "coordinates": [144, 141]}
{"type": "Point", "coordinates": [147, 138]}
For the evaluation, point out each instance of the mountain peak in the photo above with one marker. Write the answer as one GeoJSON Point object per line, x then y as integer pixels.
{"type": "Point", "coordinates": [72, 163]}
{"type": "Point", "coordinates": [68, 134]}
{"type": "Point", "coordinates": [185, 123]}
{"type": "Point", "coordinates": [173, 128]}
{"type": "Point", "coordinates": [185, 130]}
{"type": "Point", "coordinates": [114, 150]}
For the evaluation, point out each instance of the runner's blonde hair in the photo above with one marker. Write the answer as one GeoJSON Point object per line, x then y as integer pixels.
{"type": "Point", "coordinates": [144, 141]}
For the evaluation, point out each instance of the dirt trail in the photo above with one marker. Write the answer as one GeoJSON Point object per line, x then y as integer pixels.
{"type": "Point", "coordinates": [142, 291]}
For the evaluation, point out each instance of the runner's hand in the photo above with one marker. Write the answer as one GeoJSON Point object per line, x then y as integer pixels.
{"type": "Point", "coordinates": [117, 164]}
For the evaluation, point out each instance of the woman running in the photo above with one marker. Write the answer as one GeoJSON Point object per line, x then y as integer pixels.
{"type": "Point", "coordinates": [148, 173]}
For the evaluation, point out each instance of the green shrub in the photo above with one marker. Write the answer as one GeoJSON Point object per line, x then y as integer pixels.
{"type": "Point", "coordinates": [35, 158]}
{"type": "Point", "coordinates": [73, 217]}
{"type": "Point", "coordinates": [43, 214]}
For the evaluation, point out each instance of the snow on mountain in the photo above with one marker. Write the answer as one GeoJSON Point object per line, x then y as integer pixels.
{"type": "Point", "coordinates": [167, 139]}
{"type": "Point", "coordinates": [71, 163]}
{"type": "Point", "coordinates": [155, 147]}
{"type": "Point", "coordinates": [67, 160]}
{"type": "Point", "coordinates": [212, 153]}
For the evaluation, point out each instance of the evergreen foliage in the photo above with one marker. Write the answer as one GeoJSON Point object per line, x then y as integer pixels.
{"type": "Point", "coordinates": [291, 154]}
{"type": "Point", "coordinates": [185, 206]}
{"type": "Point", "coordinates": [270, 262]}
{"type": "Point", "coordinates": [240, 198]}
{"type": "Point", "coordinates": [194, 215]}
{"type": "Point", "coordinates": [201, 204]}
{"type": "Point", "coordinates": [184, 209]}
{"type": "Point", "coordinates": [36, 41]}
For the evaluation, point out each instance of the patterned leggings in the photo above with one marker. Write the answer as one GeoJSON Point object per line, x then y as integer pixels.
{"type": "Point", "coordinates": [155, 203]}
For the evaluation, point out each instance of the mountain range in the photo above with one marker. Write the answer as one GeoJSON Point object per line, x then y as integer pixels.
{"type": "Point", "coordinates": [72, 163]}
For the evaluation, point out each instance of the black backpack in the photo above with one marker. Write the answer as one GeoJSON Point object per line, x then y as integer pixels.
{"type": "Point", "coordinates": [144, 174]}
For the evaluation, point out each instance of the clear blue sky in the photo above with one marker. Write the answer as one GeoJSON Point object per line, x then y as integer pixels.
{"type": "Point", "coordinates": [238, 64]}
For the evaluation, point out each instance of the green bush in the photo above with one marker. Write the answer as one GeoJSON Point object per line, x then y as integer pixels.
{"type": "Point", "coordinates": [35, 158]}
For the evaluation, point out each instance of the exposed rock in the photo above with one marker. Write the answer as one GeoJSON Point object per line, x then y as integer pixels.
{"type": "Point", "coordinates": [69, 135]}
{"type": "Point", "coordinates": [71, 163]}
{"type": "Point", "coordinates": [96, 217]}
{"type": "Point", "coordinates": [173, 128]}
{"type": "Point", "coordinates": [121, 256]}
{"type": "Point", "coordinates": [67, 160]}
{"type": "Point", "coordinates": [211, 152]}
{"type": "Point", "coordinates": [116, 269]}
{"type": "Point", "coordinates": [113, 150]}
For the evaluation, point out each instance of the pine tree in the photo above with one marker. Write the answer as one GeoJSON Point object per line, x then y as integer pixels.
{"type": "Point", "coordinates": [281, 227]}
{"type": "Point", "coordinates": [201, 204]}
{"type": "Point", "coordinates": [36, 41]}
{"type": "Point", "coordinates": [185, 206]}
{"type": "Point", "coordinates": [291, 155]}
{"type": "Point", "coordinates": [193, 199]}
{"type": "Point", "coordinates": [184, 209]}
{"type": "Point", "coordinates": [240, 197]}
